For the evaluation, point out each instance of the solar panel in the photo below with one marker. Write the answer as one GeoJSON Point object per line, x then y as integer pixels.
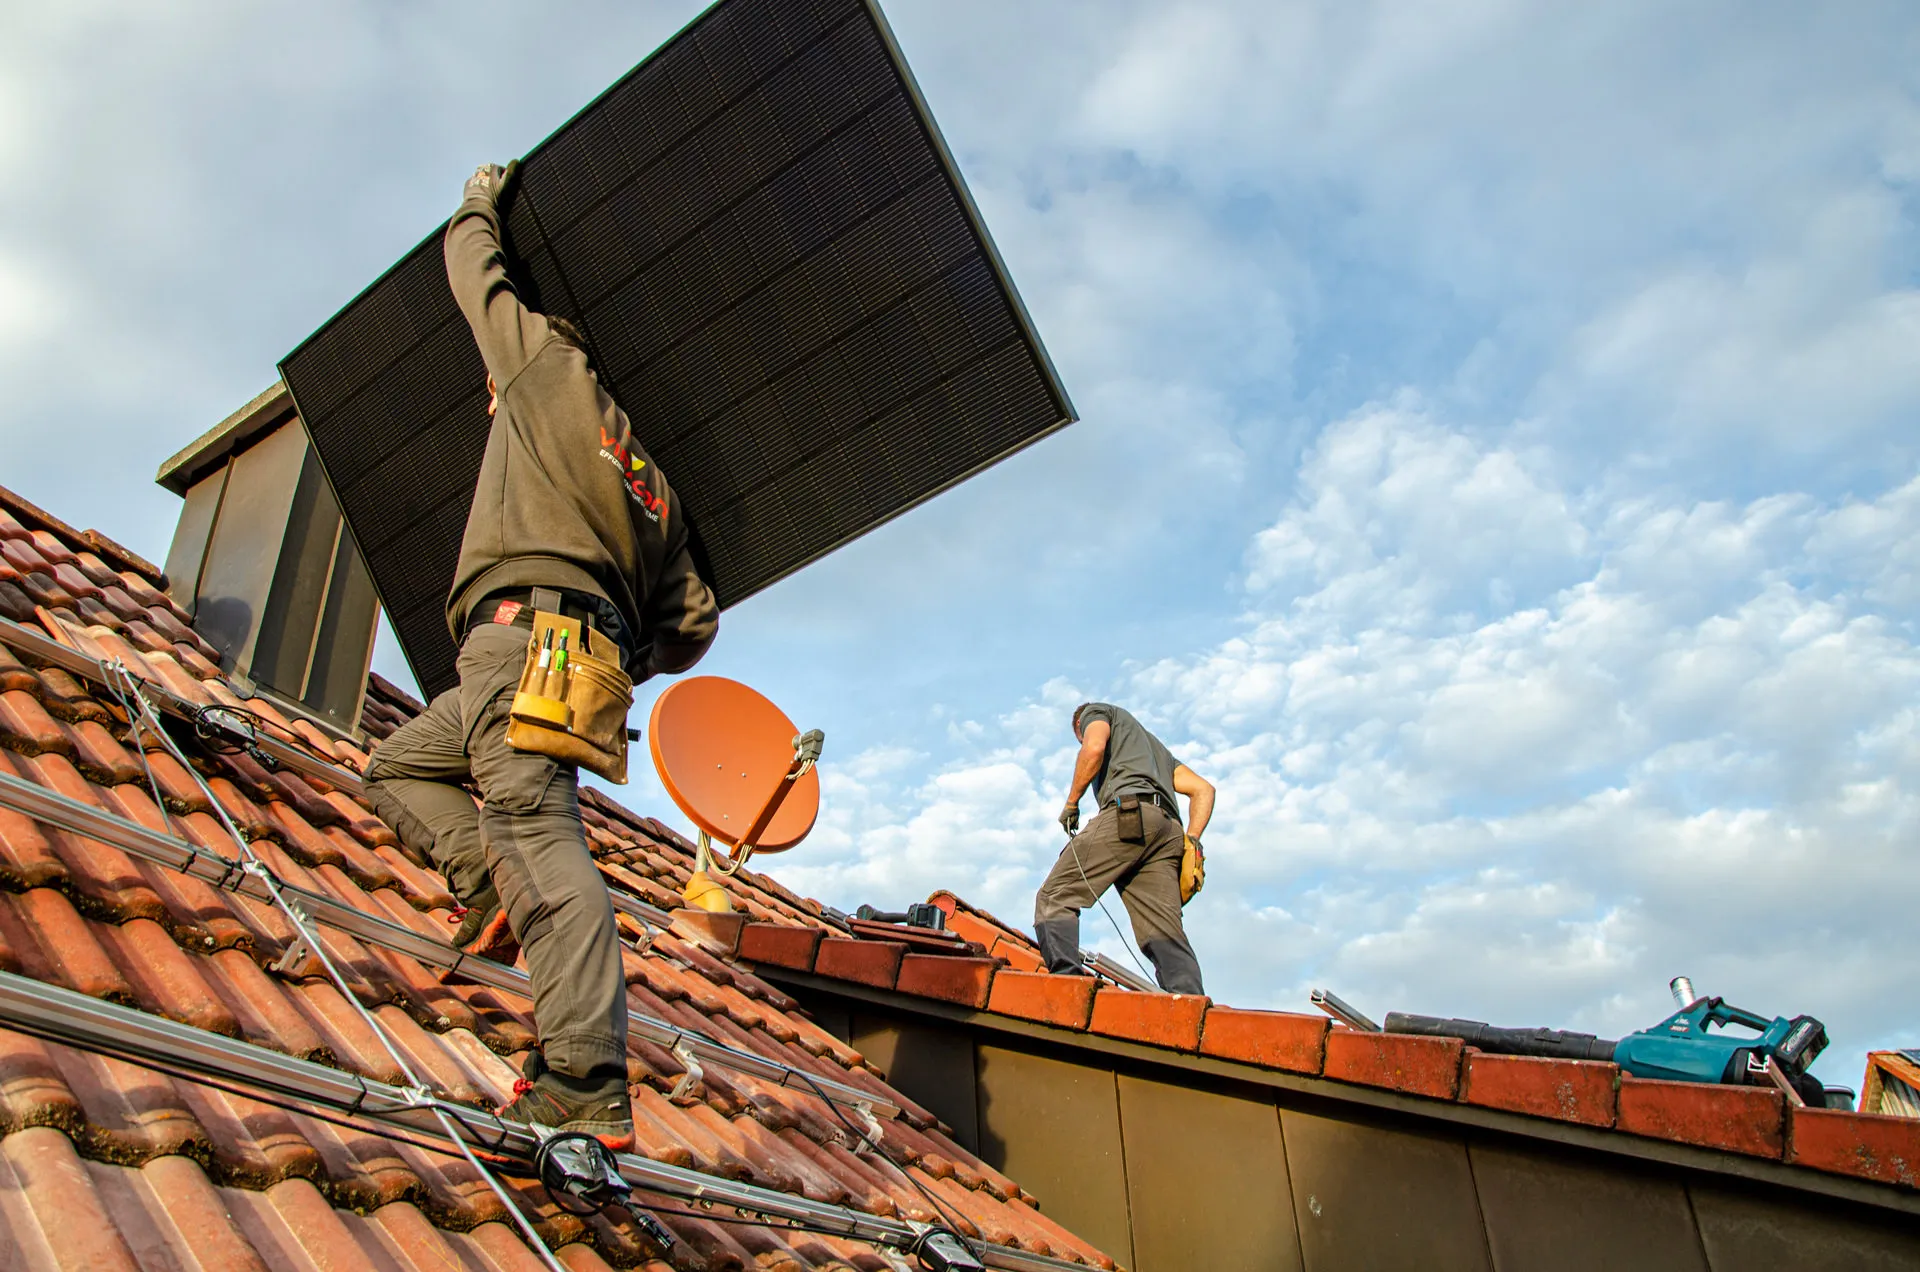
{"type": "Point", "coordinates": [781, 278]}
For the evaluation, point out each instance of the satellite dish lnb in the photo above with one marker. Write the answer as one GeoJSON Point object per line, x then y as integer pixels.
{"type": "Point", "coordinates": [740, 771]}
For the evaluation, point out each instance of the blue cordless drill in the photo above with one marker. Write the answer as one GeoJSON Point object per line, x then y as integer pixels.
{"type": "Point", "coordinates": [1689, 1046]}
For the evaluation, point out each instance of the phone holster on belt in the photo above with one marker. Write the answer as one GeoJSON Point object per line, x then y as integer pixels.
{"type": "Point", "coordinates": [1132, 827]}
{"type": "Point", "coordinates": [573, 698]}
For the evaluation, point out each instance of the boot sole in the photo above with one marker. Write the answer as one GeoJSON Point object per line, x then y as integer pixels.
{"type": "Point", "coordinates": [615, 1136]}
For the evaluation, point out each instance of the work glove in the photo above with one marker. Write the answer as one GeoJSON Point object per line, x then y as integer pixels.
{"type": "Point", "coordinates": [1070, 818]}
{"type": "Point", "coordinates": [489, 181]}
{"type": "Point", "coordinates": [1193, 870]}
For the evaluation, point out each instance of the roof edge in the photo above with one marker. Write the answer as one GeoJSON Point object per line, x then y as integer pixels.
{"type": "Point", "coordinates": [270, 407]}
{"type": "Point", "coordinates": [1316, 1081]}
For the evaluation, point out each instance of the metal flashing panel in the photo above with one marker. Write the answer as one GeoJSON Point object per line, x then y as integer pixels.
{"type": "Point", "coordinates": [782, 280]}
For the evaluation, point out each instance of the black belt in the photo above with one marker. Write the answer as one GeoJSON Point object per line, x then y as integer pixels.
{"type": "Point", "coordinates": [1148, 797]}
{"type": "Point", "coordinates": [576, 605]}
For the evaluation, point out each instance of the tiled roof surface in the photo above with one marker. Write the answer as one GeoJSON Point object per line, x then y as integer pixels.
{"type": "Point", "coordinates": [133, 1162]}
{"type": "Point", "coordinates": [1745, 1120]}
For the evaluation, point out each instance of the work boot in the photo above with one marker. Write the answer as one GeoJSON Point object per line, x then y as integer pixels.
{"type": "Point", "coordinates": [484, 930]}
{"type": "Point", "coordinates": [1059, 942]}
{"type": "Point", "coordinates": [1175, 966]}
{"type": "Point", "coordinates": [596, 1105]}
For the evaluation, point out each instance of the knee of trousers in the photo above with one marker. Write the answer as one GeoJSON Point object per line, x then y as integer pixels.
{"type": "Point", "coordinates": [413, 832]}
{"type": "Point", "coordinates": [1049, 905]}
{"type": "Point", "coordinates": [379, 765]}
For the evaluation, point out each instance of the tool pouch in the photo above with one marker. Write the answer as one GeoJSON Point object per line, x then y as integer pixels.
{"type": "Point", "coordinates": [578, 713]}
{"type": "Point", "coordinates": [1193, 871]}
{"type": "Point", "coordinates": [1132, 827]}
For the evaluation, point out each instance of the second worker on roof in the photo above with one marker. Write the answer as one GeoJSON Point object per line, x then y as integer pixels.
{"type": "Point", "coordinates": [1134, 843]}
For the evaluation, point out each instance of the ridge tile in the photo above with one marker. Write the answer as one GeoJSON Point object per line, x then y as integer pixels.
{"type": "Point", "coordinates": [1066, 1001]}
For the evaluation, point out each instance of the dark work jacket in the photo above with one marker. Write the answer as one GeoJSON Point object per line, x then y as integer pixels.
{"type": "Point", "coordinates": [566, 498]}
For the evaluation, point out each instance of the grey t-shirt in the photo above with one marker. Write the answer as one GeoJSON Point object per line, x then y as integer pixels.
{"type": "Point", "coordinates": [1136, 763]}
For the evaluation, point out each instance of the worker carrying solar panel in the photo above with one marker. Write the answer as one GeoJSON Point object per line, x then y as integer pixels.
{"type": "Point", "coordinates": [573, 531]}
{"type": "Point", "coordinates": [1134, 843]}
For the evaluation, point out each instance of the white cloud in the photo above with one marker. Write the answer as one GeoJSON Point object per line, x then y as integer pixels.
{"type": "Point", "coordinates": [1685, 756]}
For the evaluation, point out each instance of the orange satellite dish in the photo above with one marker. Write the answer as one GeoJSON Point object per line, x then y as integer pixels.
{"type": "Point", "coordinates": [738, 768]}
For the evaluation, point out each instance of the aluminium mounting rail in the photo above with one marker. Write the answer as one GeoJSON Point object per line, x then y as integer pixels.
{"type": "Point", "coordinates": [176, 854]}
{"type": "Point", "coordinates": [45, 650]}
{"type": "Point", "coordinates": [95, 1025]}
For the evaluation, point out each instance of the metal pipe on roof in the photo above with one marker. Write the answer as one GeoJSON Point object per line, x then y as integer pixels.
{"type": "Point", "coordinates": [99, 1026]}
{"type": "Point", "coordinates": [175, 854]}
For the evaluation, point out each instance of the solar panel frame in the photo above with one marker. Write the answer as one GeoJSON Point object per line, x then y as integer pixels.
{"type": "Point", "coordinates": [814, 331]}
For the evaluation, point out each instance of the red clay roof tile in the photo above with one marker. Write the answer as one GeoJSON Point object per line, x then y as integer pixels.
{"type": "Point", "coordinates": [52, 547]}
{"type": "Point", "coordinates": [1162, 1020]}
{"type": "Point", "coordinates": [1270, 1039]}
{"type": "Point", "coordinates": [1066, 1001]}
{"type": "Point", "coordinates": [1738, 1119]}
{"type": "Point", "coordinates": [165, 979]}
{"type": "Point", "coordinates": [780, 945]}
{"type": "Point", "coordinates": [1018, 956]}
{"type": "Point", "coordinates": [26, 727]}
{"type": "Point", "coordinates": [1581, 1091]}
{"type": "Point", "coordinates": [875, 963]}
{"type": "Point", "coordinates": [1874, 1146]}
{"type": "Point", "coordinates": [967, 981]}
{"type": "Point", "coordinates": [1399, 1062]}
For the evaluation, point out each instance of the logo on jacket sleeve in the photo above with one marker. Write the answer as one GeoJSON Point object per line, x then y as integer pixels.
{"type": "Point", "coordinates": [616, 452]}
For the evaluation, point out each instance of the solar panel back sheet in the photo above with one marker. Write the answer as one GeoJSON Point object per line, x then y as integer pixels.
{"type": "Point", "coordinates": [782, 281]}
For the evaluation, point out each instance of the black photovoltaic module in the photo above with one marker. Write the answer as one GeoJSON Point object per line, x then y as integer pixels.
{"type": "Point", "coordinates": [781, 278]}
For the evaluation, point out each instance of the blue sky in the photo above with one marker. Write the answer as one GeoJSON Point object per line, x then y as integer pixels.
{"type": "Point", "coordinates": [1497, 468]}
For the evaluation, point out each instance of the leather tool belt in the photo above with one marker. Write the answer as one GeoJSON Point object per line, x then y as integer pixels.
{"type": "Point", "coordinates": [573, 698]}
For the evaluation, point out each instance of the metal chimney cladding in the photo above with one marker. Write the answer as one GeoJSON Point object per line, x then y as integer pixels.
{"type": "Point", "coordinates": [782, 280]}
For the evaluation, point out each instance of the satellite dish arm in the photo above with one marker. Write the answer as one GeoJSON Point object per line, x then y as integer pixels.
{"type": "Point", "coordinates": [806, 754]}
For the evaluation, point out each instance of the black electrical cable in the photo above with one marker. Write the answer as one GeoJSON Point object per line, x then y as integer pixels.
{"type": "Point", "coordinates": [939, 1207]}
{"type": "Point", "coordinates": [209, 733]}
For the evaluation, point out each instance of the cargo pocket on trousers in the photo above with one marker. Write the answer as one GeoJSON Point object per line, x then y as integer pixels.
{"type": "Point", "coordinates": [510, 781]}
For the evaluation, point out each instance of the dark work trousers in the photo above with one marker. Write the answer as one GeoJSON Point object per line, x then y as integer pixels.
{"type": "Point", "coordinates": [1148, 876]}
{"type": "Point", "coordinates": [527, 837]}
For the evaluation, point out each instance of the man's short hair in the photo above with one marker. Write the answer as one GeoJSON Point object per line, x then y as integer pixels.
{"type": "Point", "coordinates": [1076, 717]}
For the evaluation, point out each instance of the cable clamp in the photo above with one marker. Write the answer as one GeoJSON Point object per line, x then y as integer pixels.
{"type": "Point", "coordinates": [297, 952]}
{"type": "Point", "coordinates": [692, 1077]}
{"type": "Point", "coordinates": [295, 955]}
{"type": "Point", "coordinates": [874, 1129]}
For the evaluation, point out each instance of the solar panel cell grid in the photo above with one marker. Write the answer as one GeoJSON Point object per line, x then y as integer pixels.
{"type": "Point", "coordinates": [780, 279]}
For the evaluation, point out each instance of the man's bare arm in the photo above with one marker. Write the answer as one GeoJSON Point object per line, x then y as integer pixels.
{"type": "Point", "coordinates": [1199, 793]}
{"type": "Point", "coordinates": [1093, 749]}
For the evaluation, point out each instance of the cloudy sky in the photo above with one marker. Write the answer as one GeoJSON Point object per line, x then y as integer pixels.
{"type": "Point", "coordinates": [1497, 469]}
